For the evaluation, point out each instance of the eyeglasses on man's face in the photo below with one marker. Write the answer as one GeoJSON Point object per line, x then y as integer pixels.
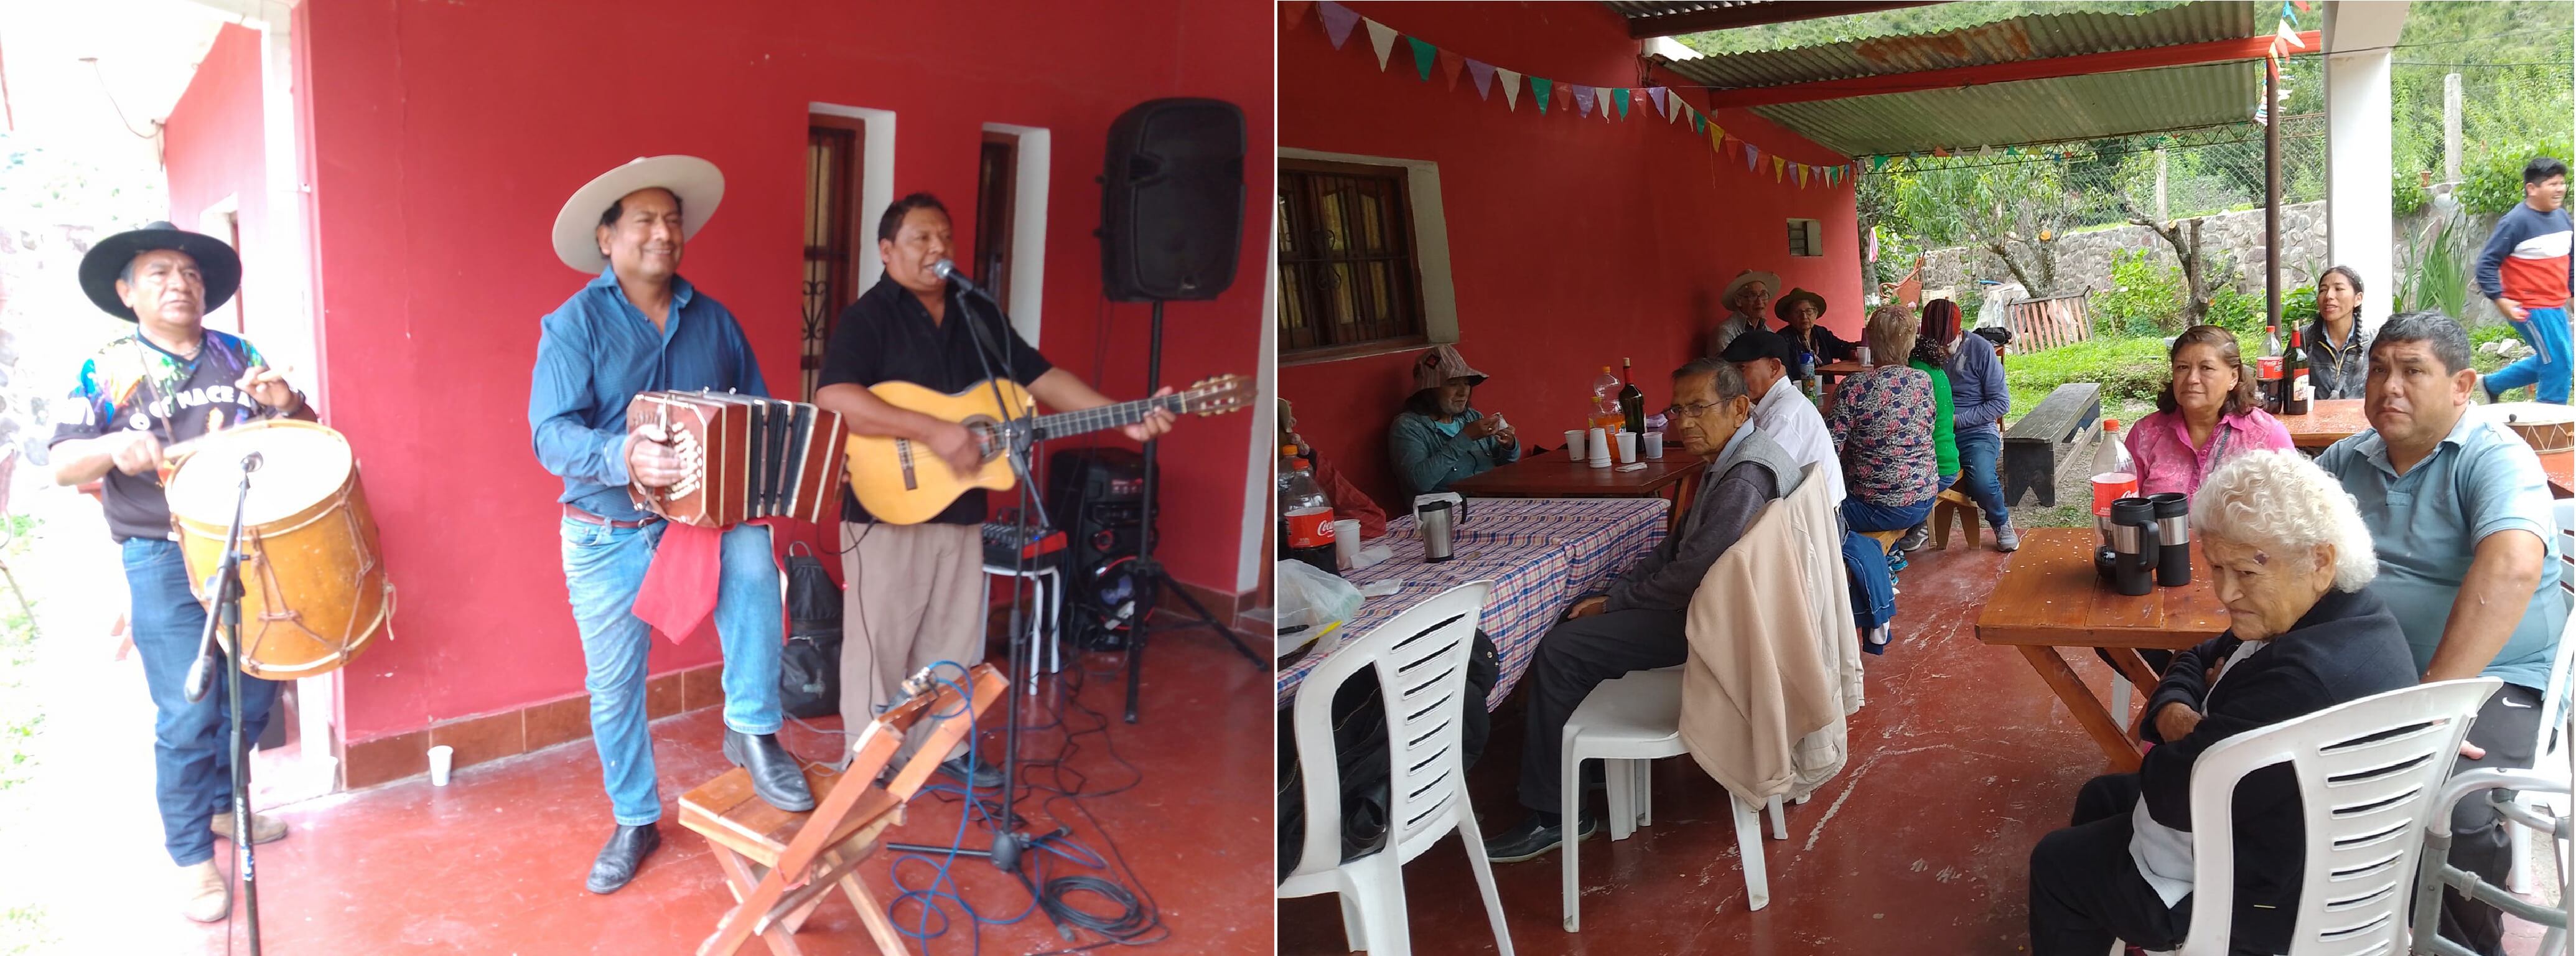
{"type": "Point", "coordinates": [1692, 411]}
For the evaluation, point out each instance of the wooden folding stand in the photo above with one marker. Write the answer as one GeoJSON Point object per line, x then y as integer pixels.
{"type": "Point", "coordinates": [780, 864]}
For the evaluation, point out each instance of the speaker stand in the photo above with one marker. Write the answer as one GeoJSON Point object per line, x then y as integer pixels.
{"type": "Point", "coordinates": [1150, 576]}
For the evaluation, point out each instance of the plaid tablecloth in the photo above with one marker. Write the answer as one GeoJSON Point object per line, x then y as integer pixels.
{"type": "Point", "coordinates": [1539, 552]}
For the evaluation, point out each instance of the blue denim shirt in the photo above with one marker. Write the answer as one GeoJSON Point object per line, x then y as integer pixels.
{"type": "Point", "coordinates": [2427, 523]}
{"type": "Point", "coordinates": [598, 350]}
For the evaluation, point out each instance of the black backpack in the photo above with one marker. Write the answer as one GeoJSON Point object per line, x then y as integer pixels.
{"type": "Point", "coordinates": [1359, 735]}
{"type": "Point", "coordinates": [809, 669]}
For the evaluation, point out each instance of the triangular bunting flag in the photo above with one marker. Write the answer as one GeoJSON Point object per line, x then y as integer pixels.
{"type": "Point", "coordinates": [1716, 139]}
{"type": "Point", "coordinates": [1779, 168]}
{"type": "Point", "coordinates": [1338, 21]}
{"type": "Point", "coordinates": [1751, 155]}
{"type": "Point", "coordinates": [1621, 97]}
{"type": "Point", "coordinates": [1449, 67]}
{"type": "Point", "coordinates": [1511, 87]}
{"type": "Point", "coordinates": [1381, 39]}
{"type": "Point", "coordinates": [1877, 163]}
{"type": "Point", "coordinates": [1698, 121]}
{"type": "Point", "coordinates": [1940, 153]}
{"type": "Point", "coordinates": [1582, 96]}
{"type": "Point", "coordinates": [1293, 12]}
{"type": "Point", "coordinates": [2290, 37]}
{"type": "Point", "coordinates": [1716, 130]}
{"type": "Point", "coordinates": [1657, 94]}
{"type": "Point", "coordinates": [1422, 55]}
{"type": "Point", "coordinates": [1539, 87]}
{"type": "Point", "coordinates": [1484, 74]}
{"type": "Point", "coordinates": [1802, 175]}
{"type": "Point", "coordinates": [2301, 4]}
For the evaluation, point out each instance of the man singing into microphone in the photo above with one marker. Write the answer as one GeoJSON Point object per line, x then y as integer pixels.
{"type": "Point", "coordinates": [637, 327]}
{"type": "Point", "coordinates": [169, 381]}
{"type": "Point", "coordinates": [916, 592]}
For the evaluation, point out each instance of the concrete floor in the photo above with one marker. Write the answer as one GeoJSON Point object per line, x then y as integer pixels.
{"type": "Point", "coordinates": [493, 863]}
{"type": "Point", "coordinates": [1960, 761]}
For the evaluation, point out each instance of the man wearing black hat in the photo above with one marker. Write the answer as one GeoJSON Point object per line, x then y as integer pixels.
{"type": "Point", "coordinates": [1766, 358]}
{"type": "Point", "coordinates": [169, 381]}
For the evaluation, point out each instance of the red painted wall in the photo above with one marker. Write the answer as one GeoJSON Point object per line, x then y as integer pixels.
{"type": "Point", "coordinates": [446, 136]}
{"type": "Point", "coordinates": [213, 149]}
{"type": "Point", "coordinates": [1574, 242]}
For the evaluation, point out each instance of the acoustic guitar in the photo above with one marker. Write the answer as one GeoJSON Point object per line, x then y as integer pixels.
{"type": "Point", "coordinates": [902, 481]}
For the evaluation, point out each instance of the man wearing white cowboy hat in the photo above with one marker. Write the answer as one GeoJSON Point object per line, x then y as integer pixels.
{"type": "Point", "coordinates": [171, 380]}
{"type": "Point", "coordinates": [640, 327]}
{"type": "Point", "coordinates": [1746, 298]}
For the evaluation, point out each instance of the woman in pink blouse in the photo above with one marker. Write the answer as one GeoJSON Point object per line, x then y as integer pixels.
{"type": "Point", "coordinates": [2207, 413]}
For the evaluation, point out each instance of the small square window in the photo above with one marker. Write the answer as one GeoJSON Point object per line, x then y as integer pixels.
{"type": "Point", "coordinates": [1806, 237]}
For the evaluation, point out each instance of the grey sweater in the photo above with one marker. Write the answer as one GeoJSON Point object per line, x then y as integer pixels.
{"type": "Point", "coordinates": [1750, 475]}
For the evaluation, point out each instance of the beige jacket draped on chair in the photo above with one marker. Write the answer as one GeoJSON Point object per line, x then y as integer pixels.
{"type": "Point", "coordinates": [1774, 654]}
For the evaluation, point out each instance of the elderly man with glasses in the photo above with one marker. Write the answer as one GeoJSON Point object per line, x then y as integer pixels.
{"type": "Point", "coordinates": [1638, 624]}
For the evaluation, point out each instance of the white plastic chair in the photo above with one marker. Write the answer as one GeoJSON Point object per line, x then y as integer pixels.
{"type": "Point", "coordinates": [1628, 723]}
{"type": "Point", "coordinates": [2365, 802]}
{"type": "Point", "coordinates": [1419, 660]}
{"type": "Point", "coordinates": [2548, 753]}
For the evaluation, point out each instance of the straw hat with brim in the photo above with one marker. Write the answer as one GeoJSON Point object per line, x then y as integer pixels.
{"type": "Point", "coordinates": [695, 181]}
{"type": "Point", "coordinates": [1780, 306]}
{"type": "Point", "coordinates": [1436, 367]}
{"type": "Point", "coordinates": [106, 262]}
{"type": "Point", "coordinates": [1769, 280]}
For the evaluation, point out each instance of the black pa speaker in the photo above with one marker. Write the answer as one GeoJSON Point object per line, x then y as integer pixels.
{"type": "Point", "coordinates": [1171, 201]}
{"type": "Point", "coordinates": [1097, 495]}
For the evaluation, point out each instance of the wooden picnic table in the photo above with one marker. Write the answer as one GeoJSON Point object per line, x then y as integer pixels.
{"type": "Point", "coordinates": [2049, 599]}
{"type": "Point", "coordinates": [2328, 422]}
{"type": "Point", "coordinates": [1831, 371]}
{"type": "Point", "coordinates": [1558, 475]}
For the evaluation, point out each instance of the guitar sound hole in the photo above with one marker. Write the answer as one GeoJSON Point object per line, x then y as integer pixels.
{"type": "Point", "coordinates": [987, 437]}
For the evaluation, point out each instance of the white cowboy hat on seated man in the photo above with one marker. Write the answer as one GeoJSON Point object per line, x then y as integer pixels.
{"type": "Point", "coordinates": [694, 182]}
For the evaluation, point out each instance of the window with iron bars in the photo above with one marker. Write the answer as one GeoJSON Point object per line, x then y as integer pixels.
{"type": "Point", "coordinates": [1348, 278]}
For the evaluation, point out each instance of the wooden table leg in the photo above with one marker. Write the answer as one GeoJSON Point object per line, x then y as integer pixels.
{"type": "Point", "coordinates": [2128, 662]}
{"type": "Point", "coordinates": [2087, 707]}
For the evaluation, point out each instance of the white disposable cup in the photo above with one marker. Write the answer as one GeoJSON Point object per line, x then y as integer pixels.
{"type": "Point", "coordinates": [1346, 541]}
{"type": "Point", "coordinates": [1861, 354]}
{"type": "Point", "coordinates": [441, 759]}
{"type": "Point", "coordinates": [1654, 446]}
{"type": "Point", "coordinates": [1574, 443]}
{"type": "Point", "coordinates": [1597, 448]}
{"type": "Point", "coordinates": [1627, 448]}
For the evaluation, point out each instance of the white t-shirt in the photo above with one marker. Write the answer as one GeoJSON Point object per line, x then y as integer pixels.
{"type": "Point", "coordinates": [1789, 418]}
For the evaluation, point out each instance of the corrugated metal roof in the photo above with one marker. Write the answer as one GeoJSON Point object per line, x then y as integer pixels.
{"type": "Point", "coordinates": [2032, 111]}
{"type": "Point", "coordinates": [2036, 37]}
{"type": "Point", "coordinates": [1637, 9]}
{"type": "Point", "coordinates": [2027, 111]}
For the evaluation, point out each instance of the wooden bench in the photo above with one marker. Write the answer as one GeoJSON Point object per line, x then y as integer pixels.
{"type": "Point", "coordinates": [2031, 445]}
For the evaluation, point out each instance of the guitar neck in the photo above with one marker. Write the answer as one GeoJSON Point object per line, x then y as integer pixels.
{"type": "Point", "coordinates": [1068, 424]}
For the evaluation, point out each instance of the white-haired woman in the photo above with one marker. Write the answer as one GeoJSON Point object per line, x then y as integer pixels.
{"type": "Point", "coordinates": [2287, 553]}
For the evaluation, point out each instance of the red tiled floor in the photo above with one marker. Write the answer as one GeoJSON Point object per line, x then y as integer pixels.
{"type": "Point", "coordinates": [494, 862]}
{"type": "Point", "coordinates": [1959, 762]}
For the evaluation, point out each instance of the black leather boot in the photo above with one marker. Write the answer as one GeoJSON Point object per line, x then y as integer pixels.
{"type": "Point", "coordinates": [775, 775]}
{"type": "Point", "coordinates": [623, 855]}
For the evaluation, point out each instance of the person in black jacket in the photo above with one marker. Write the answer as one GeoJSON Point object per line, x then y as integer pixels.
{"type": "Point", "coordinates": [2290, 558]}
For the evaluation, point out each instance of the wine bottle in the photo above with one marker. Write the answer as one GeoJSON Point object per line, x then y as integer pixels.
{"type": "Point", "coordinates": [1632, 402]}
{"type": "Point", "coordinates": [2294, 375]}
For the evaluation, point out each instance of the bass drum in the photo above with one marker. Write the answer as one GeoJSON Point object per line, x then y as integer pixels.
{"type": "Point", "coordinates": [314, 590]}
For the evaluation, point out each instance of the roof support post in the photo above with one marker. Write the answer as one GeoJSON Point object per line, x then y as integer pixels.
{"type": "Point", "coordinates": [2361, 229]}
{"type": "Point", "coordinates": [2272, 194]}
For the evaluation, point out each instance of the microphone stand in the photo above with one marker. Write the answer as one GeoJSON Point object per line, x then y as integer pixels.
{"type": "Point", "coordinates": [226, 588]}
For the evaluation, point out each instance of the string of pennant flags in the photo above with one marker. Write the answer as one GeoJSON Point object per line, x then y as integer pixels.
{"type": "Point", "coordinates": [1612, 103]}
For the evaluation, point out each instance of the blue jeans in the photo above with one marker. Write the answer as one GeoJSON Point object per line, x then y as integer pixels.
{"type": "Point", "coordinates": [1978, 449]}
{"type": "Point", "coordinates": [2547, 333]}
{"type": "Point", "coordinates": [603, 570]}
{"type": "Point", "coordinates": [192, 762]}
{"type": "Point", "coordinates": [1863, 516]}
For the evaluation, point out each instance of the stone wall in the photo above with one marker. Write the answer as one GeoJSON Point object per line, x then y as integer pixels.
{"type": "Point", "coordinates": [2084, 258]}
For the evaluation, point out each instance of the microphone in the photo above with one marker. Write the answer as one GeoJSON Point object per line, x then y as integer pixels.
{"type": "Point", "coordinates": [947, 269]}
{"type": "Point", "coordinates": [201, 675]}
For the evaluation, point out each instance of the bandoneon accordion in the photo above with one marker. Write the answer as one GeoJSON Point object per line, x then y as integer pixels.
{"type": "Point", "coordinates": [743, 458]}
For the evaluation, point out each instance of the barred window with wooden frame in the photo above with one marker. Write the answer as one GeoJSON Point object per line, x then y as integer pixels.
{"type": "Point", "coordinates": [1348, 278]}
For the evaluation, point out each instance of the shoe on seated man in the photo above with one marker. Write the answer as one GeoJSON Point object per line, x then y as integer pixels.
{"type": "Point", "coordinates": [2007, 537]}
{"type": "Point", "coordinates": [1536, 834]}
{"type": "Point", "coordinates": [205, 895]}
{"type": "Point", "coordinates": [263, 828]}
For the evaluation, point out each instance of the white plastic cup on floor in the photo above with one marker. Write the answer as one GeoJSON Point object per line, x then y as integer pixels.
{"type": "Point", "coordinates": [1346, 542]}
{"type": "Point", "coordinates": [1627, 448]}
{"type": "Point", "coordinates": [441, 759]}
